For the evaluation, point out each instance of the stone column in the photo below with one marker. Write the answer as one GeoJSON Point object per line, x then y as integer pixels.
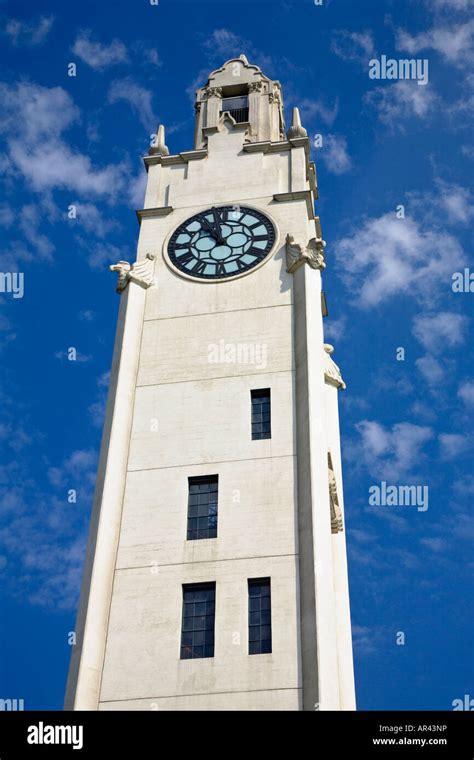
{"type": "Point", "coordinates": [85, 672]}
{"type": "Point", "coordinates": [318, 614]}
{"type": "Point", "coordinates": [255, 97]}
{"type": "Point", "coordinates": [214, 102]}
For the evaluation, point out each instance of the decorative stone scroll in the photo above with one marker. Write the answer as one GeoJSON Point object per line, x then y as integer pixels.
{"type": "Point", "coordinates": [256, 86]}
{"type": "Point", "coordinates": [140, 272]}
{"type": "Point", "coordinates": [297, 254]}
{"type": "Point", "coordinates": [336, 512]}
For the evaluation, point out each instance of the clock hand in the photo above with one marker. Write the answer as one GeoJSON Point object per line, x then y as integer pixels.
{"type": "Point", "coordinates": [206, 224]}
{"type": "Point", "coordinates": [215, 213]}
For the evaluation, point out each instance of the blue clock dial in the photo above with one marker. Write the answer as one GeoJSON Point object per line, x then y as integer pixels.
{"type": "Point", "coordinates": [221, 242]}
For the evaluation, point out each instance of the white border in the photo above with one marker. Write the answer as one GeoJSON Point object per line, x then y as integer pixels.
{"type": "Point", "coordinates": [185, 276]}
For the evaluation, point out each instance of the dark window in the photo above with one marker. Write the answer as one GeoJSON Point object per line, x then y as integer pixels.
{"type": "Point", "coordinates": [260, 616]}
{"type": "Point", "coordinates": [261, 421]}
{"type": "Point", "coordinates": [237, 107]}
{"type": "Point", "coordinates": [202, 508]}
{"type": "Point", "coordinates": [197, 633]}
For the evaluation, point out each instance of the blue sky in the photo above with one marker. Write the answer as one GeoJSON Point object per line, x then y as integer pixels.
{"type": "Point", "coordinates": [385, 144]}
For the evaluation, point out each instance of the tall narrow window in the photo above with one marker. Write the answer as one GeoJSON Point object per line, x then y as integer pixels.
{"type": "Point", "coordinates": [261, 417]}
{"type": "Point", "coordinates": [260, 616]}
{"type": "Point", "coordinates": [202, 507]}
{"type": "Point", "coordinates": [197, 632]}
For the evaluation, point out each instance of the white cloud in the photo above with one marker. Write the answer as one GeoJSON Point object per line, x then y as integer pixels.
{"type": "Point", "coordinates": [97, 55]}
{"type": "Point", "coordinates": [401, 101]}
{"type": "Point", "coordinates": [223, 44]}
{"type": "Point", "coordinates": [440, 330]}
{"type": "Point", "coordinates": [390, 454]}
{"type": "Point", "coordinates": [35, 33]}
{"type": "Point", "coordinates": [334, 329]}
{"type": "Point", "coordinates": [431, 369]}
{"type": "Point", "coordinates": [459, 5]}
{"type": "Point", "coordinates": [334, 155]}
{"type": "Point", "coordinates": [386, 257]}
{"type": "Point", "coordinates": [452, 445]}
{"type": "Point", "coordinates": [93, 219]}
{"type": "Point", "coordinates": [454, 43]}
{"type": "Point", "coordinates": [32, 121]}
{"type": "Point", "coordinates": [103, 254]}
{"type": "Point", "coordinates": [311, 110]}
{"type": "Point", "coordinates": [353, 46]}
{"type": "Point", "coordinates": [466, 393]}
{"type": "Point", "coordinates": [139, 98]}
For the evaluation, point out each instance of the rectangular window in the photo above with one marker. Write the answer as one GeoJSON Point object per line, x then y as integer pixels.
{"type": "Point", "coordinates": [260, 616]}
{"type": "Point", "coordinates": [202, 507]}
{"type": "Point", "coordinates": [261, 418]}
{"type": "Point", "coordinates": [197, 633]}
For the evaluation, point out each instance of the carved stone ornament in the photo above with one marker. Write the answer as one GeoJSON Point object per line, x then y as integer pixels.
{"type": "Point", "coordinates": [140, 272]}
{"type": "Point", "coordinates": [297, 254]}
{"type": "Point", "coordinates": [255, 86]}
{"type": "Point", "coordinates": [332, 373]}
{"type": "Point", "coordinates": [336, 512]}
{"type": "Point", "coordinates": [213, 92]}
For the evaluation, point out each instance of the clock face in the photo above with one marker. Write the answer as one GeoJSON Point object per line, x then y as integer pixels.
{"type": "Point", "coordinates": [222, 242]}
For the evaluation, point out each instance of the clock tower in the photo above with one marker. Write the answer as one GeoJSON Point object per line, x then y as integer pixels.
{"type": "Point", "coordinates": [216, 573]}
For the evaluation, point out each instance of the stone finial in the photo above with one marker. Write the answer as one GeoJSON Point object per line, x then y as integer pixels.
{"type": "Point", "coordinates": [332, 373]}
{"type": "Point", "coordinates": [244, 59]}
{"type": "Point", "coordinates": [297, 254]}
{"type": "Point", "coordinates": [140, 272]}
{"type": "Point", "coordinates": [296, 130]}
{"type": "Point", "coordinates": [159, 148]}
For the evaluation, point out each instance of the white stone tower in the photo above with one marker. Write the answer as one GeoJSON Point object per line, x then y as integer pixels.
{"type": "Point", "coordinates": [216, 573]}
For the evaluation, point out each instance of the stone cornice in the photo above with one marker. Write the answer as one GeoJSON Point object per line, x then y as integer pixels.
{"type": "Point", "coordinates": [177, 158]}
{"type": "Point", "coordinates": [298, 195]}
{"type": "Point", "coordinates": [152, 213]}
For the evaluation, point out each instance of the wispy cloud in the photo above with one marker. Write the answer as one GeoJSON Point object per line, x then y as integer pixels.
{"type": "Point", "coordinates": [454, 43]}
{"type": "Point", "coordinates": [392, 453]}
{"type": "Point", "coordinates": [352, 46]}
{"type": "Point", "coordinates": [24, 34]}
{"type": "Point", "coordinates": [333, 153]}
{"type": "Point", "coordinates": [97, 55]}
{"type": "Point", "coordinates": [441, 330]}
{"type": "Point", "coordinates": [396, 104]}
{"type": "Point", "coordinates": [139, 98]}
{"type": "Point", "coordinates": [387, 256]}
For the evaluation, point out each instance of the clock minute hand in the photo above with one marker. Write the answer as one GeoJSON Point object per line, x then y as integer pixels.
{"type": "Point", "coordinates": [218, 225]}
{"type": "Point", "coordinates": [211, 229]}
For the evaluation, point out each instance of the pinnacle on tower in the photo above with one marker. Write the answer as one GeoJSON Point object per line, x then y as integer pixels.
{"type": "Point", "coordinates": [296, 130]}
{"type": "Point", "coordinates": [159, 148]}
